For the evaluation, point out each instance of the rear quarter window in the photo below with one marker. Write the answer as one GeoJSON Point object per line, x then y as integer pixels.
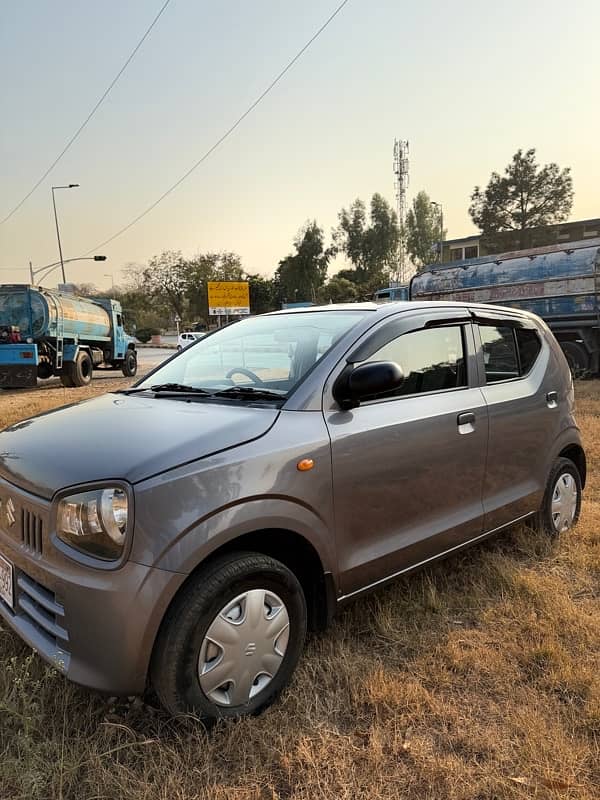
{"type": "Point", "coordinates": [508, 352]}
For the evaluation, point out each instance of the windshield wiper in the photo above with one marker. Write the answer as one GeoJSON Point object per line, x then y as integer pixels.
{"type": "Point", "coordinates": [165, 388]}
{"type": "Point", "coordinates": [250, 393]}
{"type": "Point", "coordinates": [179, 388]}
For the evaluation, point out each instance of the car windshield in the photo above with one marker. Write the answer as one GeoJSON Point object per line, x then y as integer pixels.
{"type": "Point", "coordinates": [266, 354]}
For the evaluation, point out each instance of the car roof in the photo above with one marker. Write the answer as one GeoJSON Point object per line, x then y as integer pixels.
{"type": "Point", "coordinates": [388, 309]}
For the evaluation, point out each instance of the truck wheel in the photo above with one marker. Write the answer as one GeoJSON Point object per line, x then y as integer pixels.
{"type": "Point", "coordinates": [129, 367]}
{"type": "Point", "coordinates": [67, 379]}
{"type": "Point", "coordinates": [82, 369]}
{"type": "Point", "coordinates": [577, 358]}
{"type": "Point", "coordinates": [231, 639]}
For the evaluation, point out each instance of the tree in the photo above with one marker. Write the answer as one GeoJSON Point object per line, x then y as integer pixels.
{"type": "Point", "coordinates": [264, 294]}
{"type": "Point", "coordinates": [338, 290]}
{"type": "Point", "coordinates": [205, 267]}
{"type": "Point", "coordinates": [423, 230]}
{"type": "Point", "coordinates": [166, 280]}
{"type": "Point", "coordinates": [86, 290]}
{"type": "Point", "coordinates": [370, 244]}
{"type": "Point", "coordinates": [302, 273]}
{"type": "Point", "coordinates": [526, 196]}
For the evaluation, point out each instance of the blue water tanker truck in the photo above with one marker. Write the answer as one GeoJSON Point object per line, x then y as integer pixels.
{"type": "Point", "coordinates": [45, 333]}
{"type": "Point", "coordinates": [560, 283]}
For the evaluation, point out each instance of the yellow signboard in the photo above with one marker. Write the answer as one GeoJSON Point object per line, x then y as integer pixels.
{"type": "Point", "coordinates": [228, 297]}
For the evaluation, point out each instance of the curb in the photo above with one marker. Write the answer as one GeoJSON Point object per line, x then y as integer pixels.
{"type": "Point", "coordinates": [140, 346]}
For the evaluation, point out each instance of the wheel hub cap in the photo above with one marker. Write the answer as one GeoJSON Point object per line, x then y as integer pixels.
{"type": "Point", "coordinates": [564, 502]}
{"type": "Point", "coordinates": [243, 648]}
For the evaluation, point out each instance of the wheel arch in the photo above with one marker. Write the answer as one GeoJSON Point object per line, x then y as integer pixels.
{"type": "Point", "coordinates": [576, 454]}
{"type": "Point", "coordinates": [296, 553]}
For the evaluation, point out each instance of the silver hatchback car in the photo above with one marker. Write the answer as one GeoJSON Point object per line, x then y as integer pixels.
{"type": "Point", "coordinates": [184, 534]}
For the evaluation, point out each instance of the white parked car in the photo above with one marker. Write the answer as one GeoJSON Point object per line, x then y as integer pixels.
{"type": "Point", "coordinates": [189, 337]}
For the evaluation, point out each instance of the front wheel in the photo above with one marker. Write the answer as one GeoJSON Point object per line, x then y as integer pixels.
{"type": "Point", "coordinates": [129, 367]}
{"type": "Point", "coordinates": [231, 640]}
{"type": "Point", "coordinates": [561, 505]}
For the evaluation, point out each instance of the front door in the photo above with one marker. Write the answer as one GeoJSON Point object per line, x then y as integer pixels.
{"type": "Point", "coordinates": [408, 469]}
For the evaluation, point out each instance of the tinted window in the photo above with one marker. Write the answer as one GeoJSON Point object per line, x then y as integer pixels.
{"type": "Point", "coordinates": [529, 346]}
{"type": "Point", "coordinates": [499, 353]}
{"type": "Point", "coordinates": [431, 359]}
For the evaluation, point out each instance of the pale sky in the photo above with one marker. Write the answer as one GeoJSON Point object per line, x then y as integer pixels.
{"type": "Point", "coordinates": [467, 83]}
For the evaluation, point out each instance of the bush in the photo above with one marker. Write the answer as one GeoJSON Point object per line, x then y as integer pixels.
{"type": "Point", "coordinates": [145, 334]}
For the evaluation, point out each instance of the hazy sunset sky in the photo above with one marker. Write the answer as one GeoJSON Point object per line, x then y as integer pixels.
{"type": "Point", "coordinates": [467, 83]}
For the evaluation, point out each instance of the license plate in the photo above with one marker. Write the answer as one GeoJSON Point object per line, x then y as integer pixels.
{"type": "Point", "coordinates": [6, 582]}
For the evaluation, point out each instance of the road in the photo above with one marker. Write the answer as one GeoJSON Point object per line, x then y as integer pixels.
{"type": "Point", "coordinates": [148, 359]}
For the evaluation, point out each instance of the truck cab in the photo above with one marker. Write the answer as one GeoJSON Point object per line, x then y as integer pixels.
{"type": "Point", "coordinates": [391, 294]}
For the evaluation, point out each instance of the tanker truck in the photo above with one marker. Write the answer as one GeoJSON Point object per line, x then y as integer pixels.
{"type": "Point", "coordinates": [560, 283]}
{"type": "Point", "coordinates": [45, 333]}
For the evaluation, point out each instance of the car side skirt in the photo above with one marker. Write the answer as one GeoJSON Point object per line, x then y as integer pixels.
{"type": "Point", "coordinates": [419, 565]}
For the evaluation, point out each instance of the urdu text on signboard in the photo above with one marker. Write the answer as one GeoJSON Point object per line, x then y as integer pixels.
{"type": "Point", "coordinates": [228, 297]}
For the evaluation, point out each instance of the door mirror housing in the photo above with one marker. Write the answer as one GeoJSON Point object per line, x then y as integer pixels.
{"type": "Point", "coordinates": [365, 380]}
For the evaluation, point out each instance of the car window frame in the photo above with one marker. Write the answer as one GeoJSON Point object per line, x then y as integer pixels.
{"type": "Point", "coordinates": [508, 322]}
{"type": "Point", "coordinates": [391, 328]}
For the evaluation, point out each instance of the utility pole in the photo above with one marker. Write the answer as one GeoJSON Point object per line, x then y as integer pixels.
{"type": "Point", "coordinates": [69, 186]}
{"type": "Point", "coordinates": [401, 185]}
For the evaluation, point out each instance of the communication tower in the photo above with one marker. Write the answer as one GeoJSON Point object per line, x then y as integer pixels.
{"type": "Point", "coordinates": [401, 186]}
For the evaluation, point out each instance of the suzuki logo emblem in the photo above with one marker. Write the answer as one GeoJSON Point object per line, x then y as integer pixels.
{"type": "Point", "coordinates": [9, 513]}
{"type": "Point", "coordinates": [250, 649]}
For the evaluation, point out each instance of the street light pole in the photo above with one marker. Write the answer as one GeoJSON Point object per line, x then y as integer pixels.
{"type": "Point", "coordinates": [439, 205]}
{"type": "Point", "coordinates": [112, 278]}
{"type": "Point", "coordinates": [50, 267]}
{"type": "Point", "coordinates": [69, 186]}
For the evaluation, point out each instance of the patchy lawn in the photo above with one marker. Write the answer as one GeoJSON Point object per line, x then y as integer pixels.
{"type": "Point", "coordinates": [478, 679]}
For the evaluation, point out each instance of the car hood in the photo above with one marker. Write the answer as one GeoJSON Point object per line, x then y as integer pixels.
{"type": "Point", "coordinates": [122, 436]}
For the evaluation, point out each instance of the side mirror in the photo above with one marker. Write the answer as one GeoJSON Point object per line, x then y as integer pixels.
{"type": "Point", "coordinates": [356, 383]}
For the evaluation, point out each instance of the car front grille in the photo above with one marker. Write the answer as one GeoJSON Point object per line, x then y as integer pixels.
{"type": "Point", "coordinates": [32, 531]}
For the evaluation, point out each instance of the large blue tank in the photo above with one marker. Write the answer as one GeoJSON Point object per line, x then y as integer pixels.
{"type": "Point", "coordinates": [36, 311]}
{"type": "Point", "coordinates": [557, 282]}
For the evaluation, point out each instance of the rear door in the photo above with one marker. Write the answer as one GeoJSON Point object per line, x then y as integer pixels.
{"type": "Point", "coordinates": [408, 468]}
{"type": "Point", "coordinates": [520, 378]}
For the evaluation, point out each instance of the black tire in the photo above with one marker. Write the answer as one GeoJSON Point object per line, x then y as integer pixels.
{"type": "Point", "coordinates": [129, 367]}
{"type": "Point", "coordinates": [81, 370]}
{"type": "Point", "coordinates": [66, 378]}
{"type": "Point", "coordinates": [545, 519]}
{"type": "Point", "coordinates": [174, 671]}
{"type": "Point", "coordinates": [179, 348]}
{"type": "Point", "coordinates": [577, 358]}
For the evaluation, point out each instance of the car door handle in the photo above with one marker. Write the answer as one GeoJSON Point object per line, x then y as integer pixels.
{"type": "Point", "coordinates": [467, 418]}
{"type": "Point", "coordinates": [552, 399]}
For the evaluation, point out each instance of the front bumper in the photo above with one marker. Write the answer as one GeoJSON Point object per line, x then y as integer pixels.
{"type": "Point", "coordinates": [97, 627]}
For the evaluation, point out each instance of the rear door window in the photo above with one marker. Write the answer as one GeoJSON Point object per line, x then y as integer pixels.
{"type": "Point", "coordinates": [499, 353]}
{"type": "Point", "coordinates": [508, 352]}
{"type": "Point", "coordinates": [529, 345]}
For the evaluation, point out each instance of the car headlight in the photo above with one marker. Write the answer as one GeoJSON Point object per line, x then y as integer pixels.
{"type": "Point", "coordinates": [94, 522]}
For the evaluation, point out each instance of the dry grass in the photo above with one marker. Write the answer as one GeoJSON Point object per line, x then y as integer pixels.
{"type": "Point", "coordinates": [478, 679]}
